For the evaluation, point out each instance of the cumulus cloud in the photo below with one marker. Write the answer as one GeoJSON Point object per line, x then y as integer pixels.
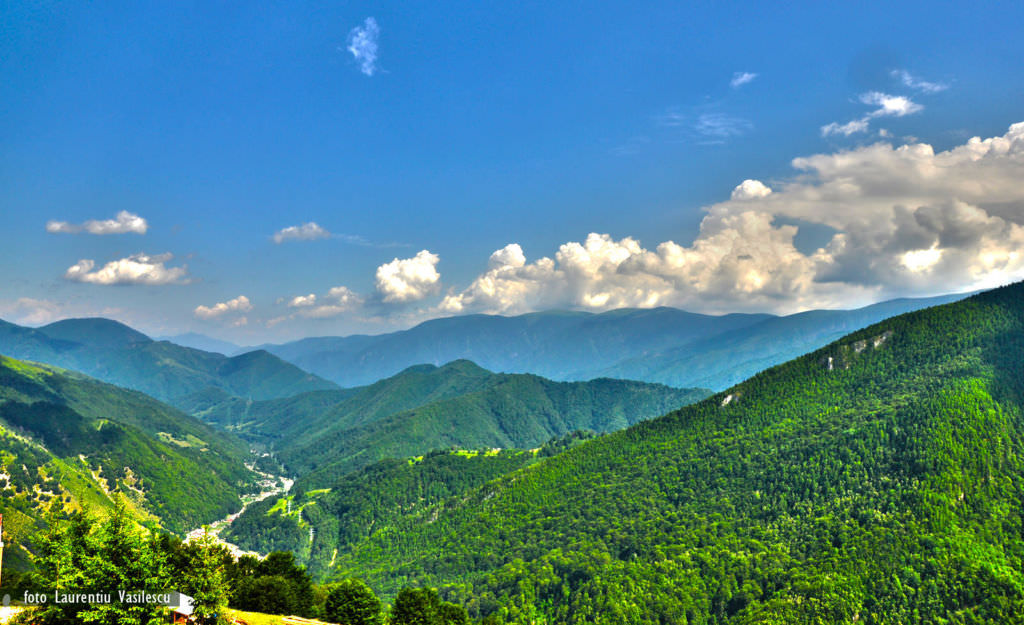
{"type": "Point", "coordinates": [240, 304]}
{"type": "Point", "coordinates": [135, 269]}
{"type": "Point", "coordinates": [409, 279]}
{"type": "Point", "coordinates": [750, 189]}
{"type": "Point", "coordinates": [911, 81]}
{"type": "Point", "coordinates": [306, 232]}
{"type": "Point", "coordinates": [907, 220]}
{"type": "Point", "coordinates": [741, 78]}
{"type": "Point", "coordinates": [123, 223]}
{"type": "Point", "coordinates": [302, 301]}
{"type": "Point", "coordinates": [362, 43]}
{"type": "Point", "coordinates": [887, 106]}
{"type": "Point", "coordinates": [336, 301]}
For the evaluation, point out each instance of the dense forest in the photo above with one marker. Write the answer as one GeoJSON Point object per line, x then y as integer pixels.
{"type": "Point", "coordinates": [80, 555]}
{"type": "Point", "coordinates": [321, 436]}
{"type": "Point", "coordinates": [877, 480]}
{"type": "Point", "coordinates": [318, 524]}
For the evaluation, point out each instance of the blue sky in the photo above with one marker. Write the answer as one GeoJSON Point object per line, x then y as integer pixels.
{"type": "Point", "coordinates": [499, 157]}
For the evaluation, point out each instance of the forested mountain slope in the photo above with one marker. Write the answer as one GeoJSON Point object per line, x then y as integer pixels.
{"type": "Point", "coordinates": [75, 441]}
{"type": "Point", "coordinates": [876, 480]}
{"type": "Point", "coordinates": [456, 405]}
{"type": "Point", "coordinates": [117, 354]}
{"type": "Point", "coordinates": [318, 524]}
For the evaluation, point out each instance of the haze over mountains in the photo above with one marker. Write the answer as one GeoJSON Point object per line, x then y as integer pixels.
{"type": "Point", "coordinates": [663, 345]}
{"type": "Point", "coordinates": [115, 353]}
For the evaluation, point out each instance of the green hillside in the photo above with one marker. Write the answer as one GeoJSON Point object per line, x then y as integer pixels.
{"type": "Point", "coordinates": [318, 524]}
{"type": "Point", "coordinates": [69, 439]}
{"type": "Point", "coordinates": [512, 411]}
{"type": "Point", "coordinates": [426, 408]}
{"type": "Point", "coordinates": [876, 480]}
{"type": "Point", "coordinates": [117, 354]}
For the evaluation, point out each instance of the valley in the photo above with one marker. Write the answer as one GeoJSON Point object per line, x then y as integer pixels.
{"type": "Point", "coordinates": [531, 500]}
{"type": "Point", "coordinates": [270, 486]}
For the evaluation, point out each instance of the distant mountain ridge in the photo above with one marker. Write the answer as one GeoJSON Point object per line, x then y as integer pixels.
{"type": "Point", "coordinates": [324, 434]}
{"type": "Point", "coordinates": [663, 345]}
{"type": "Point", "coordinates": [115, 353]}
{"type": "Point", "coordinates": [204, 343]}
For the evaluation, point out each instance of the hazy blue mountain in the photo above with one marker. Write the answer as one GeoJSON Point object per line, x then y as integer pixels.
{"type": "Point", "coordinates": [556, 344]}
{"type": "Point", "coordinates": [731, 357]}
{"type": "Point", "coordinates": [115, 353]}
{"type": "Point", "coordinates": [203, 342]}
{"type": "Point", "coordinates": [662, 345]}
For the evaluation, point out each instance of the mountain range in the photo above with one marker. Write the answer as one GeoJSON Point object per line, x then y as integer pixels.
{"type": "Point", "coordinates": [117, 354]}
{"type": "Point", "coordinates": [663, 345]}
{"type": "Point", "coordinates": [322, 435]}
{"type": "Point", "coordinates": [877, 479]}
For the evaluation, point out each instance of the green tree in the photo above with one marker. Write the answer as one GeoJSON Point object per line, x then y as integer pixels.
{"type": "Point", "coordinates": [269, 594]}
{"type": "Point", "coordinates": [205, 579]}
{"type": "Point", "coordinates": [81, 557]}
{"type": "Point", "coordinates": [416, 607]}
{"type": "Point", "coordinates": [452, 614]}
{"type": "Point", "coordinates": [353, 603]}
{"type": "Point", "coordinates": [67, 552]}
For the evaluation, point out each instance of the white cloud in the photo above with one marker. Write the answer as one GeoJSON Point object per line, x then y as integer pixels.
{"type": "Point", "coordinates": [27, 310]}
{"type": "Point", "coordinates": [362, 43]}
{"type": "Point", "coordinates": [302, 301]}
{"type": "Point", "coordinates": [336, 301]}
{"type": "Point", "coordinates": [911, 81]}
{"type": "Point", "coordinates": [741, 78]}
{"type": "Point", "coordinates": [750, 189]}
{"type": "Point", "coordinates": [305, 232]}
{"type": "Point", "coordinates": [907, 220]}
{"type": "Point", "coordinates": [409, 279]}
{"type": "Point", "coordinates": [847, 129]}
{"type": "Point", "coordinates": [34, 312]}
{"type": "Point", "coordinates": [123, 223]}
{"type": "Point", "coordinates": [888, 106]}
{"type": "Point", "coordinates": [135, 269]}
{"type": "Point", "coordinates": [240, 304]}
